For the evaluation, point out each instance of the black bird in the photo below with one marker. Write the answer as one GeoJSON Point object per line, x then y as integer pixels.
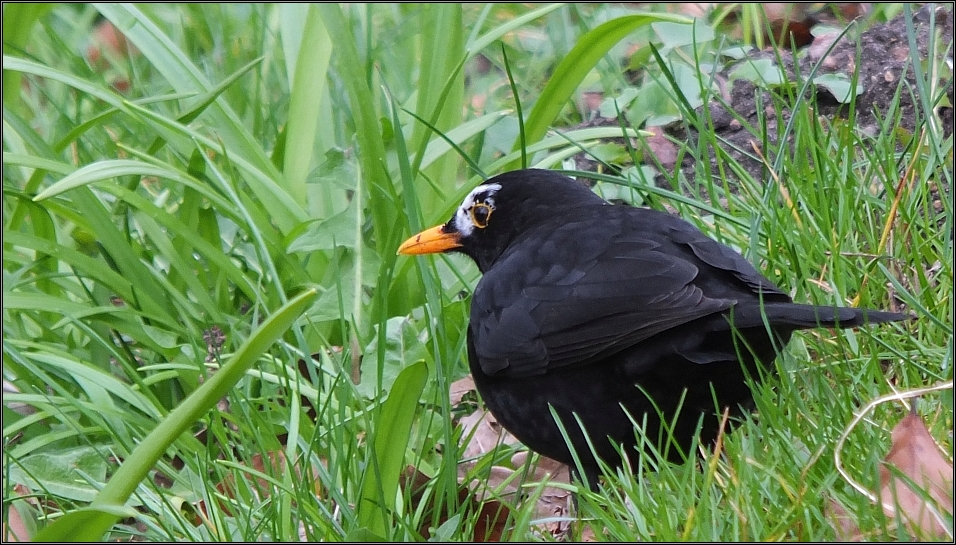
{"type": "Point", "coordinates": [591, 309]}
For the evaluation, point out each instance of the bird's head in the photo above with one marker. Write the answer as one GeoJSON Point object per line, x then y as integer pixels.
{"type": "Point", "coordinates": [498, 211]}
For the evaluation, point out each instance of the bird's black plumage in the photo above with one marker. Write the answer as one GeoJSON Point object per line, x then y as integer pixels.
{"type": "Point", "coordinates": [600, 311]}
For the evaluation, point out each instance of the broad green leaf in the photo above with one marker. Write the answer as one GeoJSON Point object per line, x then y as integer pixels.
{"type": "Point", "coordinates": [611, 106]}
{"type": "Point", "coordinates": [449, 530]}
{"type": "Point", "coordinates": [839, 86]}
{"type": "Point", "coordinates": [402, 348]}
{"type": "Point", "coordinates": [688, 84]}
{"type": "Point", "coordinates": [674, 35]}
{"type": "Point", "coordinates": [84, 524]}
{"type": "Point", "coordinates": [338, 169]}
{"type": "Point", "coordinates": [342, 230]}
{"type": "Point", "coordinates": [342, 289]}
{"type": "Point", "coordinates": [364, 535]}
{"type": "Point", "coordinates": [389, 442]}
{"type": "Point", "coordinates": [61, 472]}
{"type": "Point", "coordinates": [761, 72]}
{"type": "Point", "coordinates": [655, 105]}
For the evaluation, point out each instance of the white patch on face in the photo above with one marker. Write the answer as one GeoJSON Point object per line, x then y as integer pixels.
{"type": "Point", "coordinates": [481, 194]}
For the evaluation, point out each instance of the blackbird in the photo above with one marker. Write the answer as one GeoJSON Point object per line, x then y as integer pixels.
{"type": "Point", "coordinates": [610, 317]}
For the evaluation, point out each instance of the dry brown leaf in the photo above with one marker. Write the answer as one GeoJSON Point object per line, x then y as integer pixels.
{"type": "Point", "coordinates": [14, 530]}
{"type": "Point", "coordinates": [490, 524]}
{"type": "Point", "coordinates": [459, 389]}
{"type": "Point", "coordinates": [659, 146]}
{"type": "Point", "coordinates": [917, 456]}
{"type": "Point", "coordinates": [784, 11]}
{"type": "Point", "coordinates": [917, 461]}
{"type": "Point", "coordinates": [692, 9]}
{"type": "Point", "coordinates": [820, 46]}
{"type": "Point", "coordinates": [490, 516]}
{"type": "Point", "coordinates": [554, 502]}
{"type": "Point", "coordinates": [588, 535]}
{"type": "Point", "coordinates": [483, 434]}
{"type": "Point", "coordinates": [14, 527]}
{"type": "Point", "coordinates": [22, 409]}
{"type": "Point", "coordinates": [847, 530]}
{"type": "Point", "coordinates": [590, 101]}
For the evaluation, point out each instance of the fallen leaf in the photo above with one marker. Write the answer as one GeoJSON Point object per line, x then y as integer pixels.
{"type": "Point", "coordinates": [692, 9]}
{"type": "Point", "coordinates": [847, 530]}
{"type": "Point", "coordinates": [916, 456]}
{"type": "Point", "coordinates": [490, 516]}
{"type": "Point", "coordinates": [459, 389]}
{"type": "Point", "coordinates": [16, 528]}
{"type": "Point", "coordinates": [491, 520]}
{"type": "Point", "coordinates": [591, 101]}
{"type": "Point", "coordinates": [483, 433]}
{"type": "Point", "coordinates": [659, 146]}
{"type": "Point", "coordinates": [588, 535]}
{"type": "Point", "coordinates": [916, 487]}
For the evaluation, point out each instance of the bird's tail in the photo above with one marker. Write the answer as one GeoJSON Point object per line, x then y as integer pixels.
{"type": "Point", "coordinates": [801, 316]}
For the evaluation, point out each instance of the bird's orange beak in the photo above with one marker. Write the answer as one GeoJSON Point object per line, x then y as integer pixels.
{"type": "Point", "coordinates": [430, 241]}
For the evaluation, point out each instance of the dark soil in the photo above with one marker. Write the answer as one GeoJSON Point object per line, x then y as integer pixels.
{"type": "Point", "coordinates": [881, 62]}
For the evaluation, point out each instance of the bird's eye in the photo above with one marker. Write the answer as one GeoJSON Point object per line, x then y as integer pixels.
{"type": "Point", "coordinates": [480, 213]}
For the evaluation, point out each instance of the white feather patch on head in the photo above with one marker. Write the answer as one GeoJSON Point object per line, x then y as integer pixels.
{"type": "Point", "coordinates": [481, 194]}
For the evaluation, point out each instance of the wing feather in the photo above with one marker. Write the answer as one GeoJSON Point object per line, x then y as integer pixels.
{"type": "Point", "coordinates": [587, 305]}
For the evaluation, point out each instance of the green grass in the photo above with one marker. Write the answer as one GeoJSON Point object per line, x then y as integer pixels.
{"type": "Point", "coordinates": [262, 151]}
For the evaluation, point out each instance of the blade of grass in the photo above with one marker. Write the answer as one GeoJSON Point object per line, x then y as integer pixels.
{"type": "Point", "coordinates": [442, 372]}
{"type": "Point", "coordinates": [522, 134]}
{"type": "Point", "coordinates": [305, 104]}
{"type": "Point", "coordinates": [476, 45]}
{"type": "Point", "coordinates": [203, 102]}
{"type": "Point", "coordinates": [134, 469]}
{"type": "Point", "coordinates": [371, 148]}
{"type": "Point", "coordinates": [441, 86]}
{"type": "Point", "coordinates": [18, 21]}
{"type": "Point", "coordinates": [572, 70]}
{"type": "Point", "coordinates": [184, 76]}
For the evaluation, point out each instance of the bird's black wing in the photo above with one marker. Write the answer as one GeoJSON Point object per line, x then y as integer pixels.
{"type": "Point", "coordinates": [573, 293]}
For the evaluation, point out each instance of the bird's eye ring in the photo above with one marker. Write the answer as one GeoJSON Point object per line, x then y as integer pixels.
{"type": "Point", "coordinates": [480, 214]}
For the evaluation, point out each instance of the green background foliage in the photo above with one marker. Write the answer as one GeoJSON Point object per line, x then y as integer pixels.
{"type": "Point", "coordinates": [200, 226]}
